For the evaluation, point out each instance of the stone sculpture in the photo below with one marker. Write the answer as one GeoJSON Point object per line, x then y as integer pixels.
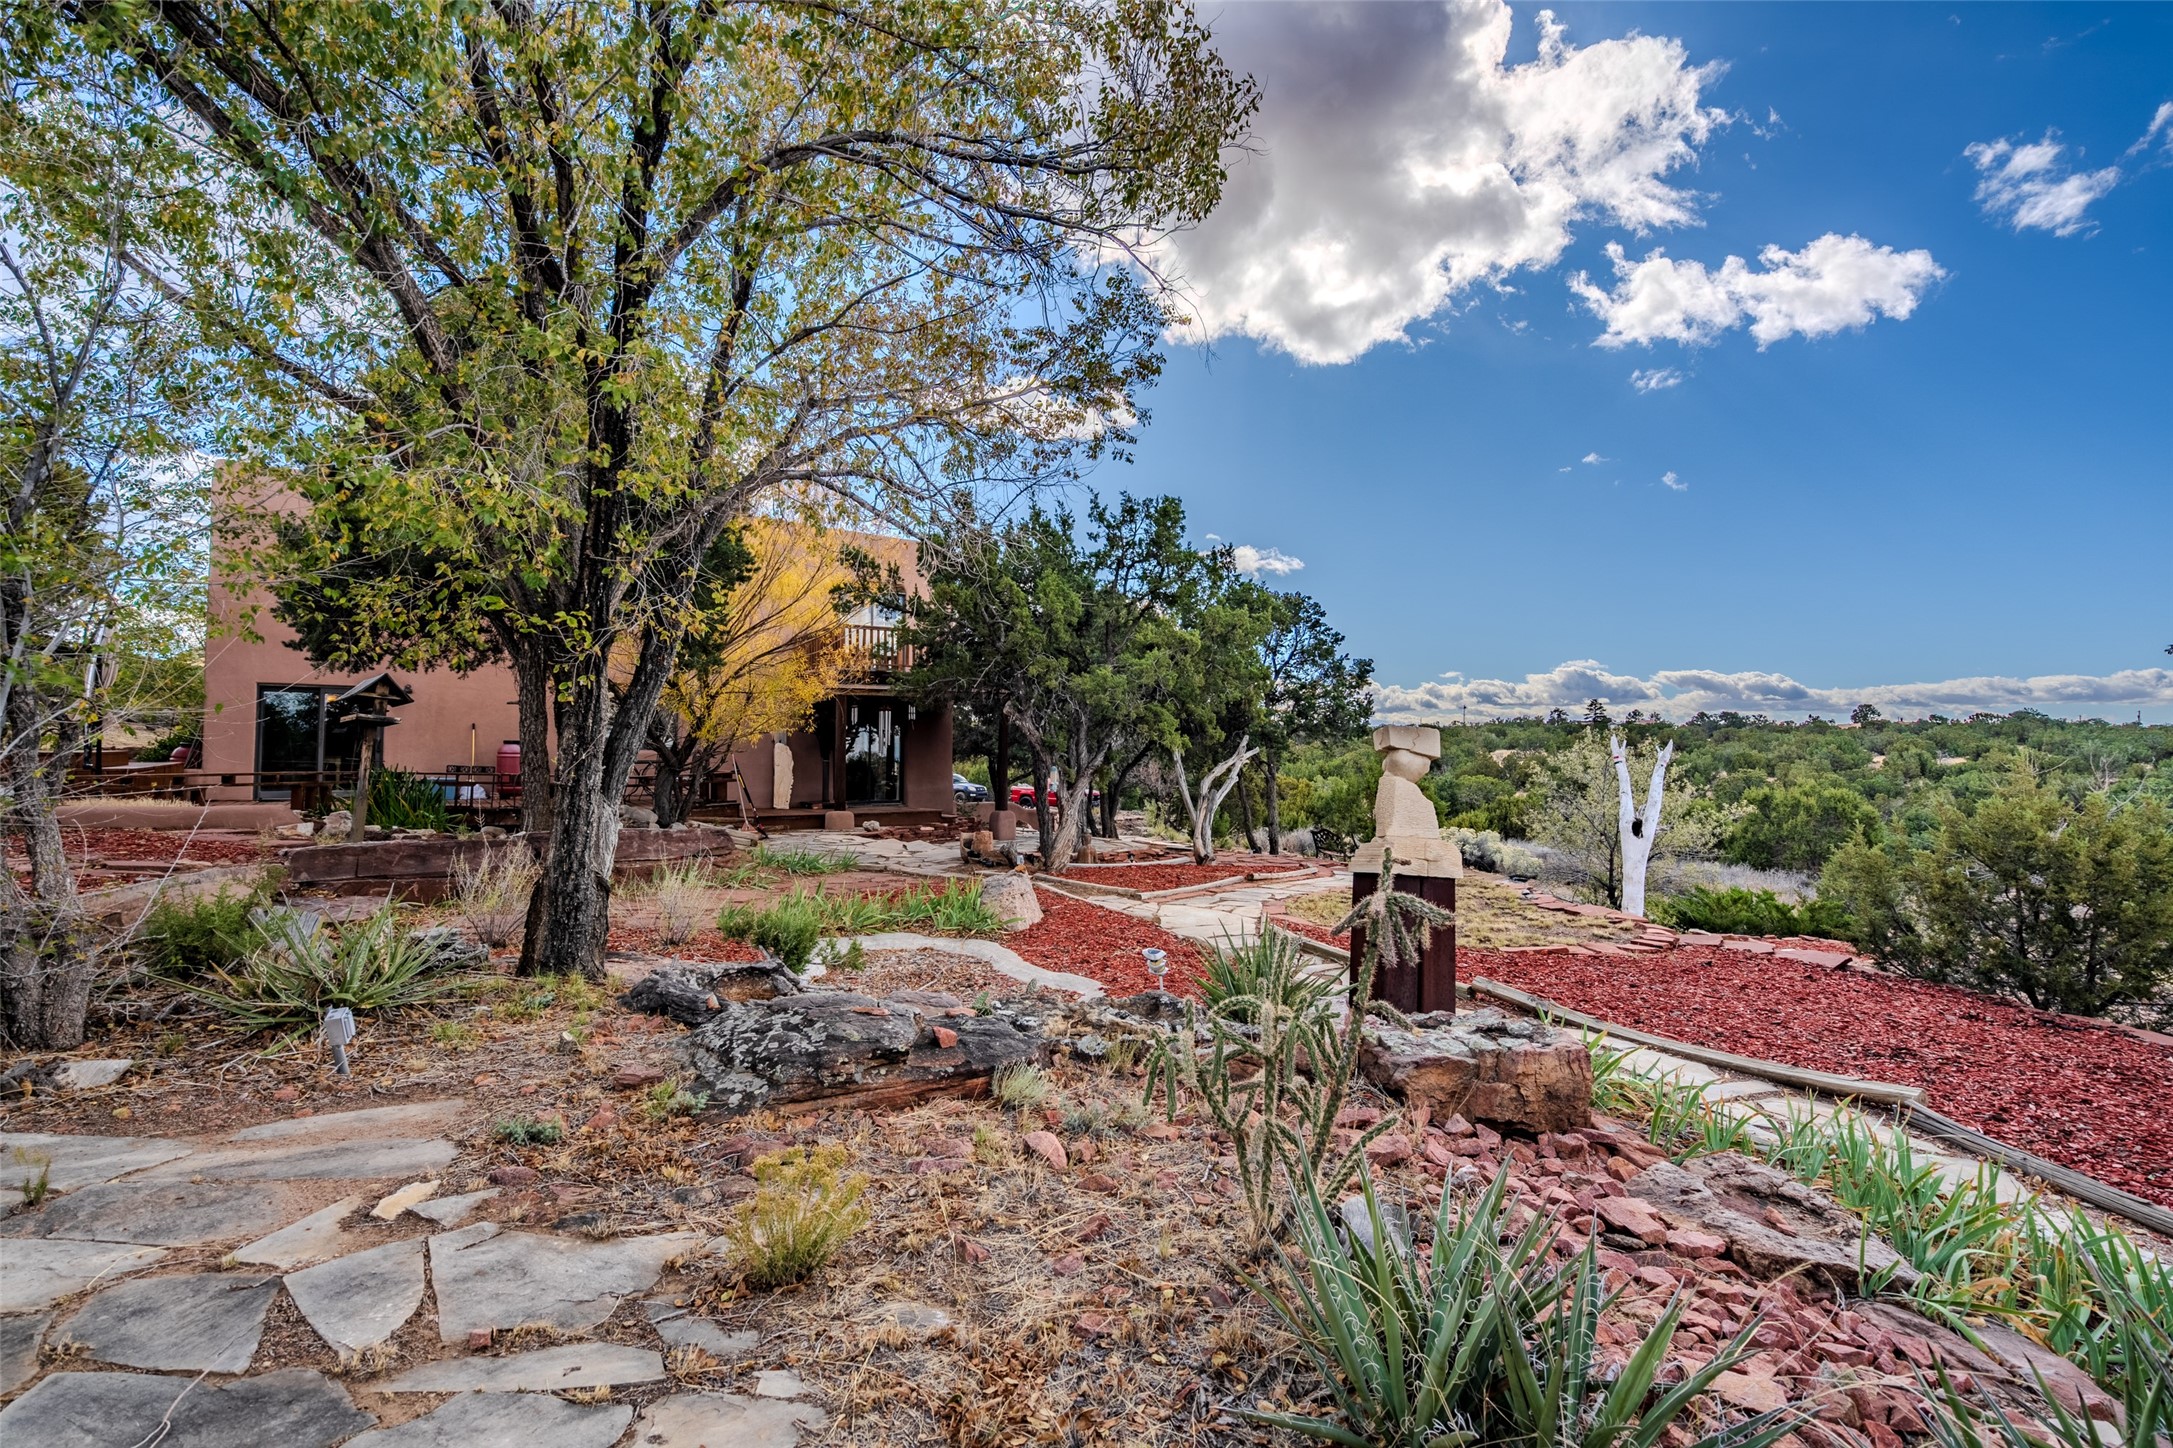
{"type": "Point", "coordinates": [1403, 817]}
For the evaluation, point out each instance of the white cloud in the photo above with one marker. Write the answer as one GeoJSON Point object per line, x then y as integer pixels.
{"type": "Point", "coordinates": [1253, 562]}
{"type": "Point", "coordinates": [1594, 458]}
{"type": "Point", "coordinates": [1655, 379]}
{"type": "Point", "coordinates": [2030, 186]}
{"type": "Point", "coordinates": [1835, 283]}
{"type": "Point", "coordinates": [1674, 483]}
{"type": "Point", "coordinates": [1679, 693]}
{"type": "Point", "coordinates": [1397, 161]}
{"type": "Point", "coordinates": [2161, 124]}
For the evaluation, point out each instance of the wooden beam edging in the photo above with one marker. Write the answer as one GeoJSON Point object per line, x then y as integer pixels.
{"type": "Point", "coordinates": [1823, 1081]}
{"type": "Point", "coordinates": [1907, 1100]}
{"type": "Point", "coordinates": [2086, 1189]}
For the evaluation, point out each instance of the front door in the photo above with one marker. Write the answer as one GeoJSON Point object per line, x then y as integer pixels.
{"type": "Point", "coordinates": [874, 752]}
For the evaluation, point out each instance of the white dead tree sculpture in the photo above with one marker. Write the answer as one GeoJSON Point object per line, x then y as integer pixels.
{"type": "Point", "coordinates": [1639, 827]}
{"type": "Point", "coordinates": [1215, 787]}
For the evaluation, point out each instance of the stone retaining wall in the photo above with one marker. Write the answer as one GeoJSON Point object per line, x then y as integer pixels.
{"type": "Point", "coordinates": [422, 870]}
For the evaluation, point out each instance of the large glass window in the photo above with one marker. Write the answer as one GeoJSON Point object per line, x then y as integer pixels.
{"type": "Point", "coordinates": [294, 736]}
{"type": "Point", "coordinates": [874, 753]}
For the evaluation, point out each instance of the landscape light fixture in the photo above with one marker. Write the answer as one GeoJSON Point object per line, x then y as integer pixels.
{"type": "Point", "coordinates": [338, 1030]}
{"type": "Point", "coordinates": [1157, 964]}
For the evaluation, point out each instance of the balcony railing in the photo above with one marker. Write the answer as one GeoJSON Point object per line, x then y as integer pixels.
{"type": "Point", "coordinates": [874, 651]}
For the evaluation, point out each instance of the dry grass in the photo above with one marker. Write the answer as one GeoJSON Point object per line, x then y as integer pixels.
{"type": "Point", "coordinates": [1491, 914]}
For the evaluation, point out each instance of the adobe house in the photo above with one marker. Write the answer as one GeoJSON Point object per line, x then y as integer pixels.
{"type": "Point", "coordinates": [271, 733]}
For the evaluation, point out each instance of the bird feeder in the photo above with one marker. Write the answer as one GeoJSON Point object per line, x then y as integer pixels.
{"type": "Point", "coordinates": [367, 708]}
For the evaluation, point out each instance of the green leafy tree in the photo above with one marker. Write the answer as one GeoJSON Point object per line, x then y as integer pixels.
{"type": "Point", "coordinates": [561, 293]}
{"type": "Point", "coordinates": [1079, 633]}
{"type": "Point", "coordinates": [1796, 826]}
{"type": "Point", "coordinates": [99, 556]}
{"type": "Point", "coordinates": [1315, 691]}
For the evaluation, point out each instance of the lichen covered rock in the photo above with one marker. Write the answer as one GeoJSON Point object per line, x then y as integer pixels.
{"type": "Point", "coordinates": [1486, 1066]}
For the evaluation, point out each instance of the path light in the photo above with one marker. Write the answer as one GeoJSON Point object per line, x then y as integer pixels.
{"type": "Point", "coordinates": [1157, 964]}
{"type": "Point", "coordinates": [338, 1030]}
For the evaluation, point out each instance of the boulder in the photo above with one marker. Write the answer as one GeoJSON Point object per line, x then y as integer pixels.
{"type": "Point", "coordinates": [1773, 1224]}
{"type": "Point", "coordinates": [1011, 898]}
{"type": "Point", "coordinates": [691, 991]}
{"type": "Point", "coordinates": [634, 817]}
{"type": "Point", "coordinates": [1486, 1066]}
{"type": "Point", "coordinates": [817, 1044]}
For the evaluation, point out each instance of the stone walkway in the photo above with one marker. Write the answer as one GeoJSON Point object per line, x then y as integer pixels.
{"type": "Point", "coordinates": [134, 1303]}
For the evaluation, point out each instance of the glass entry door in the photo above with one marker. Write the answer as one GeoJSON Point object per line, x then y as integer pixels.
{"type": "Point", "coordinates": [295, 737]}
{"type": "Point", "coordinates": [874, 753]}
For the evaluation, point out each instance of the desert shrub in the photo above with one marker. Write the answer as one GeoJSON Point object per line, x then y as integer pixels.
{"type": "Point", "coordinates": [1487, 850]}
{"type": "Point", "coordinates": [491, 890]}
{"type": "Point", "coordinates": [804, 1207]}
{"type": "Point", "coordinates": [1478, 1341]}
{"type": "Point", "coordinates": [790, 929]}
{"type": "Point", "coordinates": [1797, 826]}
{"type": "Point", "coordinates": [2068, 906]}
{"type": "Point", "coordinates": [298, 969]}
{"type": "Point", "coordinates": [1021, 1086]}
{"type": "Point", "coordinates": [528, 1131]}
{"type": "Point", "coordinates": [401, 799]}
{"type": "Point", "coordinates": [1750, 912]}
{"type": "Point", "coordinates": [667, 1099]}
{"type": "Point", "coordinates": [187, 938]}
{"type": "Point", "coordinates": [676, 893]}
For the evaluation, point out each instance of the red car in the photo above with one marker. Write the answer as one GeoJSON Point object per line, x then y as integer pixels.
{"type": "Point", "coordinates": [1022, 797]}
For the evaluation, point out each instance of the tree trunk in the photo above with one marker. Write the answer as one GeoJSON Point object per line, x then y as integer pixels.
{"type": "Point", "coordinates": [1244, 813]}
{"type": "Point", "coordinates": [670, 797]}
{"type": "Point", "coordinates": [1638, 829]}
{"type": "Point", "coordinates": [1042, 827]}
{"type": "Point", "coordinates": [45, 970]}
{"type": "Point", "coordinates": [1118, 778]}
{"type": "Point", "coordinates": [532, 677]}
{"type": "Point", "coordinates": [1076, 812]}
{"type": "Point", "coordinates": [1215, 787]}
{"type": "Point", "coordinates": [1268, 763]}
{"type": "Point", "coordinates": [600, 734]}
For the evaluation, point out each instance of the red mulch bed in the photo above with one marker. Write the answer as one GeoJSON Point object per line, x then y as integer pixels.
{"type": "Point", "coordinates": [1156, 877]}
{"type": "Point", "coordinates": [1299, 925]}
{"type": "Point", "coordinates": [706, 945]}
{"type": "Point", "coordinates": [159, 847]}
{"type": "Point", "coordinates": [1103, 945]}
{"type": "Point", "coordinates": [2085, 1095]}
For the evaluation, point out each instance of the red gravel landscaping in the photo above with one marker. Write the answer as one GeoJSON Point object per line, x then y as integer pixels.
{"type": "Point", "coordinates": [1156, 877]}
{"type": "Point", "coordinates": [1103, 945]}
{"type": "Point", "coordinates": [2085, 1095]}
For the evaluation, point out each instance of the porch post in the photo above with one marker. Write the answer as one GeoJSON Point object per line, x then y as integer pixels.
{"type": "Point", "coordinates": [1002, 822]}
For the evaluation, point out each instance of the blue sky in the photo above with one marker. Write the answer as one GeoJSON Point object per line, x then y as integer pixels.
{"type": "Point", "coordinates": [1944, 482]}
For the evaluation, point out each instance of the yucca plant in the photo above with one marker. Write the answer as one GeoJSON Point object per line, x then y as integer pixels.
{"type": "Point", "coordinates": [1478, 1342]}
{"type": "Point", "coordinates": [403, 799]}
{"type": "Point", "coordinates": [300, 969]}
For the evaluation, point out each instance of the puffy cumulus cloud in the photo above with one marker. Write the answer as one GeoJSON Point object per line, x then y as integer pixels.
{"type": "Point", "coordinates": [2028, 185]}
{"type": "Point", "coordinates": [1396, 161]}
{"type": "Point", "coordinates": [1835, 283]}
{"type": "Point", "coordinates": [1680, 693]}
{"type": "Point", "coordinates": [1253, 562]}
{"type": "Point", "coordinates": [1594, 459]}
{"type": "Point", "coordinates": [1656, 379]}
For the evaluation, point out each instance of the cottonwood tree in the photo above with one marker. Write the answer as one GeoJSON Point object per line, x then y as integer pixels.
{"type": "Point", "coordinates": [766, 649]}
{"type": "Point", "coordinates": [561, 291]}
{"type": "Point", "coordinates": [95, 526]}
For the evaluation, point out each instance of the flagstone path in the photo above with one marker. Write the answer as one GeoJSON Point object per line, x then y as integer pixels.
{"type": "Point", "coordinates": [114, 1273]}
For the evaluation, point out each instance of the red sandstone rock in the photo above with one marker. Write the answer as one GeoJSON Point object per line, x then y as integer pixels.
{"type": "Point", "coordinates": [1045, 1145]}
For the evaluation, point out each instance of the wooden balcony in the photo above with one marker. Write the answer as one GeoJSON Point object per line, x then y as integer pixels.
{"type": "Point", "coordinates": [873, 651]}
